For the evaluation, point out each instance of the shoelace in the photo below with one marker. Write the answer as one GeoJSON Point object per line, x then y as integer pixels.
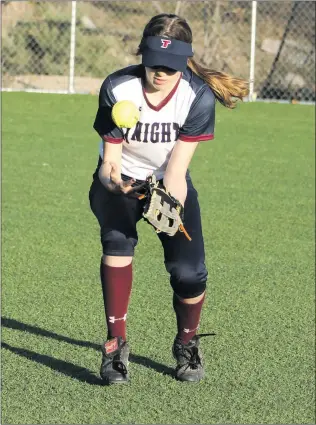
{"type": "Point", "coordinates": [117, 363]}
{"type": "Point", "coordinates": [198, 336]}
{"type": "Point", "coordinates": [191, 353]}
{"type": "Point", "coordinates": [120, 367]}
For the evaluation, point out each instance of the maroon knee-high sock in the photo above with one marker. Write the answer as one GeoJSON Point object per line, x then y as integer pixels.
{"type": "Point", "coordinates": [116, 288]}
{"type": "Point", "coordinates": [188, 318]}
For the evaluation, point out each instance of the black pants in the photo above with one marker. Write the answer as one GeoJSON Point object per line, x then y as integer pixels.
{"type": "Point", "coordinates": [184, 260]}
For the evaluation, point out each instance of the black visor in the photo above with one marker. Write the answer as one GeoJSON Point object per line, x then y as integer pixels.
{"type": "Point", "coordinates": [164, 51]}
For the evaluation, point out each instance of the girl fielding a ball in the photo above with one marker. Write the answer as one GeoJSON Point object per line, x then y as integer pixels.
{"type": "Point", "coordinates": [174, 110]}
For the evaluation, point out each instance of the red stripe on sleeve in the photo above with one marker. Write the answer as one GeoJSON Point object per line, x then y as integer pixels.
{"type": "Point", "coordinates": [112, 140]}
{"type": "Point", "coordinates": [196, 138]}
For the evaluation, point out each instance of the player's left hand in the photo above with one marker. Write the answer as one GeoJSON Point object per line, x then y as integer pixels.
{"type": "Point", "coordinates": [164, 212]}
{"type": "Point", "coordinates": [177, 186]}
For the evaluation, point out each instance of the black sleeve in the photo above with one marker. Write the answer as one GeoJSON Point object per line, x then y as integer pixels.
{"type": "Point", "coordinates": [200, 121]}
{"type": "Point", "coordinates": [103, 123]}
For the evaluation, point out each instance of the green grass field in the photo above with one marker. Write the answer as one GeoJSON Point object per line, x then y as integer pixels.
{"type": "Point", "coordinates": [256, 190]}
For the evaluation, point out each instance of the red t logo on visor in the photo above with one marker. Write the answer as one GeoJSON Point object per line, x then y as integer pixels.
{"type": "Point", "coordinates": [165, 43]}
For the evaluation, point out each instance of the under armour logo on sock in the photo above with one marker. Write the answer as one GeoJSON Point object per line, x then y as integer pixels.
{"type": "Point", "coordinates": [113, 319]}
{"type": "Point", "coordinates": [190, 330]}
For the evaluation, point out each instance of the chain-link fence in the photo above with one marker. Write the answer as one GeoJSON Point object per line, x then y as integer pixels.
{"type": "Point", "coordinates": [285, 54]}
{"type": "Point", "coordinates": [70, 46]}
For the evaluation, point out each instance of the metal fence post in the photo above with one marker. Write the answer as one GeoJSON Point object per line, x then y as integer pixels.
{"type": "Point", "coordinates": [72, 46]}
{"type": "Point", "coordinates": [252, 95]}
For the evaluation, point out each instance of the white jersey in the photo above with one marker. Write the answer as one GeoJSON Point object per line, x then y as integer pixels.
{"type": "Point", "coordinates": [186, 114]}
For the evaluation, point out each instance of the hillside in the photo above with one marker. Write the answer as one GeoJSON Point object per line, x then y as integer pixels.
{"type": "Point", "coordinates": [36, 38]}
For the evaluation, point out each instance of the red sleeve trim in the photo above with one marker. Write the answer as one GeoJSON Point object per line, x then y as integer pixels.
{"type": "Point", "coordinates": [196, 138]}
{"type": "Point", "coordinates": [112, 140]}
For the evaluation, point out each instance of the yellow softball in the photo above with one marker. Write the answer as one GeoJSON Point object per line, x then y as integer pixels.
{"type": "Point", "coordinates": [125, 114]}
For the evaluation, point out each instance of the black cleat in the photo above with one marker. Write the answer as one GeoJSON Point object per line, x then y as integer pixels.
{"type": "Point", "coordinates": [115, 354]}
{"type": "Point", "coordinates": [189, 359]}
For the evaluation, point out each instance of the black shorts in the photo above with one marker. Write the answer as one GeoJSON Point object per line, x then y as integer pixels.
{"type": "Point", "coordinates": [118, 216]}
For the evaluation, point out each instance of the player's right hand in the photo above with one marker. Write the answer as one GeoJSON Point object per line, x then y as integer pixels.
{"type": "Point", "coordinates": [111, 178]}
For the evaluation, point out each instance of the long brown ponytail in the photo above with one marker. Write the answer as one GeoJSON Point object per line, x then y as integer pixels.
{"type": "Point", "coordinates": [227, 89]}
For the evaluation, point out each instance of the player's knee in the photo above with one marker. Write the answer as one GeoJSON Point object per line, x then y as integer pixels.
{"type": "Point", "coordinates": [117, 243]}
{"type": "Point", "coordinates": [188, 281]}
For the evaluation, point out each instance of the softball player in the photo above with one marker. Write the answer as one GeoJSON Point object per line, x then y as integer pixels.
{"type": "Point", "coordinates": [176, 99]}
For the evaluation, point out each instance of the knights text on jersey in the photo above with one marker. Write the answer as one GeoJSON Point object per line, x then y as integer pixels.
{"type": "Point", "coordinates": [187, 114]}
